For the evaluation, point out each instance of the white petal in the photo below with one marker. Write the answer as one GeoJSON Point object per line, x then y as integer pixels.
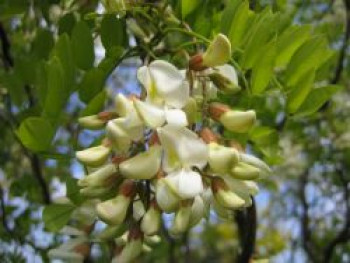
{"type": "Point", "coordinates": [165, 197]}
{"type": "Point", "coordinates": [94, 156]}
{"type": "Point", "coordinates": [229, 72]}
{"type": "Point", "coordinates": [184, 146]}
{"type": "Point", "coordinates": [176, 117]}
{"type": "Point", "coordinates": [144, 76]}
{"type": "Point", "coordinates": [153, 116]}
{"type": "Point", "coordinates": [187, 183]}
{"type": "Point", "coordinates": [170, 83]}
{"type": "Point", "coordinates": [118, 135]}
{"type": "Point", "coordinates": [123, 105]}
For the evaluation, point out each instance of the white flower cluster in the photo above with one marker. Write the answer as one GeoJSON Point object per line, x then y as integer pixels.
{"type": "Point", "coordinates": [162, 159]}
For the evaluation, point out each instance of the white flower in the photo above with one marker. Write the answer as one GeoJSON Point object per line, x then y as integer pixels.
{"type": "Point", "coordinates": [66, 251]}
{"type": "Point", "coordinates": [164, 84]}
{"type": "Point", "coordinates": [94, 156]}
{"type": "Point", "coordinates": [145, 165]}
{"type": "Point", "coordinates": [113, 211]}
{"type": "Point", "coordinates": [167, 92]}
{"type": "Point", "coordinates": [183, 150]}
{"type": "Point", "coordinates": [166, 197]}
{"type": "Point", "coordinates": [129, 127]}
{"type": "Point", "coordinates": [218, 52]}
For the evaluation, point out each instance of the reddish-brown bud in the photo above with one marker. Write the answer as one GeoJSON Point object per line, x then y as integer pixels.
{"type": "Point", "coordinates": [154, 139]}
{"type": "Point", "coordinates": [217, 184]}
{"type": "Point", "coordinates": [236, 145]}
{"type": "Point", "coordinates": [208, 135]}
{"type": "Point", "coordinates": [127, 188]}
{"type": "Point", "coordinates": [83, 249]}
{"type": "Point", "coordinates": [217, 109]}
{"type": "Point", "coordinates": [106, 115]}
{"type": "Point", "coordinates": [135, 233]}
{"type": "Point", "coordinates": [196, 63]}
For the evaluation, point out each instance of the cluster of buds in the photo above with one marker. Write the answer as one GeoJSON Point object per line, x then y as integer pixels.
{"type": "Point", "coordinates": [160, 156]}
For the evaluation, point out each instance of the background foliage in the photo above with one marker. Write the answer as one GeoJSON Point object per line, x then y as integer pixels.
{"type": "Point", "coordinates": [65, 59]}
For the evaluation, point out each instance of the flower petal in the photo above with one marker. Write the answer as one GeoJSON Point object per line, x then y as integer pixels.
{"type": "Point", "coordinates": [187, 183]}
{"type": "Point", "coordinates": [152, 115]}
{"type": "Point", "coordinates": [184, 146]}
{"type": "Point", "coordinates": [170, 83]}
{"type": "Point", "coordinates": [176, 117]}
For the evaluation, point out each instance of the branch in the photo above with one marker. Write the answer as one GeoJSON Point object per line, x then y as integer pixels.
{"type": "Point", "coordinates": [247, 224]}
{"type": "Point", "coordinates": [34, 159]}
{"type": "Point", "coordinates": [342, 54]}
{"type": "Point", "coordinates": [344, 234]}
{"type": "Point", "coordinates": [304, 220]}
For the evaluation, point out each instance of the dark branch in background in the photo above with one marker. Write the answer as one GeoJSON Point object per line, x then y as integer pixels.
{"type": "Point", "coordinates": [305, 220]}
{"type": "Point", "coordinates": [344, 234]}
{"type": "Point", "coordinates": [247, 223]}
{"type": "Point", "coordinates": [34, 158]}
{"type": "Point", "coordinates": [342, 54]}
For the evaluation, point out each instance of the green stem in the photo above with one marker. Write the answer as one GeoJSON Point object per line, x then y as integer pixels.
{"type": "Point", "coordinates": [184, 31]}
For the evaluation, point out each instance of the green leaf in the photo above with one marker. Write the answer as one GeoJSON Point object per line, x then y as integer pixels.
{"type": "Point", "coordinates": [43, 43]}
{"type": "Point", "coordinates": [290, 40]}
{"type": "Point", "coordinates": [299, 93]}
{"type": "Point", "coordinates": [96, 104]}
{"type": "Point", "coordinates": [83, 46]}
{"type": "Point", "coordinates": [56, 216]}
{"type": "Point", "coordinates": [56, 94]}
{"type": "Point", "coordinates": [36, 133]}
{"type": "Point", "coordinates": [63, 51]}
{"type": "Point", "coordinates": [316, 98]}
{"type": "Point", "coordinates": [239, 24]}
{"type": "Point", "coordinates": [66, 24]}
{"type": "Point", "coordinates": [112, 32]}
{"type": "Point", "coordinates": [73, 191]}
{"type": "Point", "coordinates": [41, 81]}
{"type": "Point", "coordinates": [228, 16]}
{"type": "Point", "coordinates": [188, 6]}
{"type": "Point", "coordinates": [263, 28]}
{"type": "Point", "coordinates": [310, 55]}
{"type": "Point", "coordinates": [91, 84]}
{"type": "Point", "coordinates": [263, 68]}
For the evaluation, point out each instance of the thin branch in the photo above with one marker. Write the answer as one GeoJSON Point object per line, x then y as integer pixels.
{"type": "Point", "coordinates": [344, 234]}
{"type": "Point", "coordinates": [34, 159]}
{"type": "Point", "coordinates": [342, 54]}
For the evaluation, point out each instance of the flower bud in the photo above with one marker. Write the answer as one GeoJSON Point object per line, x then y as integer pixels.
{"type": "Point", "coordinates": [224, 196]}
{"type": "Point", "coordinates": [94, 156]}
{"type": "Point", "coordinates": [142, 166]}
{"type": "Point", "coordinates": [94, 191]}
{"type": "Point", "coordinates": [119, 137]}
{"type": "Point", "coordinates": [123, 105]}
{"type": "Point", "coordinates": [256, 162]}
{"type": "Point", "coordinates": [132, 249]}
{"type": "Point", "coordinates": [138, 209]}
{"type": "Point", "coordinates": [216, 110]}
{"type": "Point", "coordinates": [114, 211]}
{"type": "Point", "coordinates": [111, 232]}
{"type": "Point", "coordinates": [198, 211]}
{"type": "Point", "coordinates": [137, 30]}
{"type": "Point", "coordinates": [225, 79]}
{"type": "Point", "coordinates": [152, 240]}
{"type": "Point", "coordinates": [191, 110]}
{"type": "Point", "coordinates": [208, 136]}
{"type": "Point", "coordinates": [166, 198]}
{"type": "Point", "coordinates": [146, 248]}
{"type": "Point", "coordinates": [92, 122]}
{"type": "Point", "coordinates": [238, 121]}
{"type": "Point", "coordinates": [100, 177]}
{"type": "Point", "coordinates": [218, 52]}
{"type": "Point", "coordinates": [150, 223]}
{"type": "Point", "coordinates": [221, 158]}
{"type": "Point", "coordinates": [182, 218]}
{"type": "Point", "coordinates": [245, 171]}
